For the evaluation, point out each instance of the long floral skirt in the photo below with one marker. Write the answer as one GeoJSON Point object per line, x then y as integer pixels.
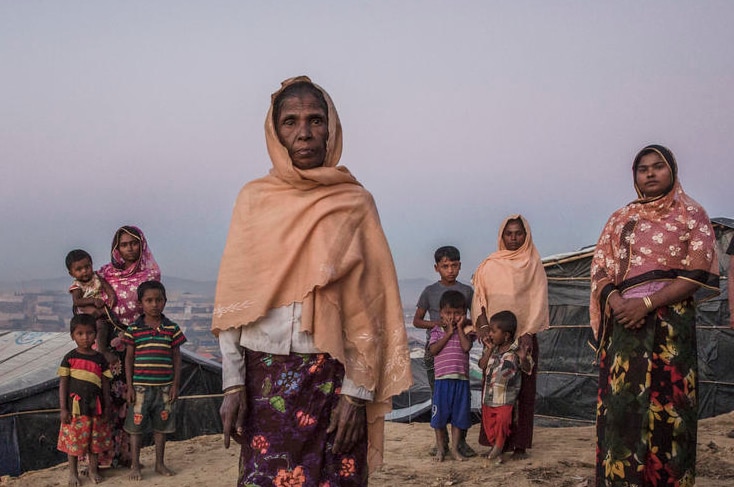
{"type": "Point", "coordinates": [290, 399]}
{"type": "Point", "coordinates": [647, 408]}
{"type": "Point", "coordinates": [119, 452]}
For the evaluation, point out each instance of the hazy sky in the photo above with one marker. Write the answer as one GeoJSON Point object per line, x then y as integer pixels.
{"type": "Point", "coordinates": [455, 114]}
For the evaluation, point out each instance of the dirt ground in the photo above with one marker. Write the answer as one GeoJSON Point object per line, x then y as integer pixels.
{"type": "Point", "coordinates": [561, 457]}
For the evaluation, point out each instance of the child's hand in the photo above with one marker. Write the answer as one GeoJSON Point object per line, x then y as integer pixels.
{"type": "Point", "coordinates": [451, 327]}
{"type": "Point", "coordinates": [173, 393]}
{"type": "Point", "coordinates": [486, 342]}
{"type": "Point", "coordinates": [65, 416]}
{"type": "Point", "coordinates": [98, 303]}
{"type": "Point", "coordinates": [130, 394]}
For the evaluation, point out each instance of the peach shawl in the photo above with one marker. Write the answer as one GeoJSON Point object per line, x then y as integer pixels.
{"type": "Point", "coordinates": [314, 237]}
{"type": "Point", "coordinates": [514, 281]}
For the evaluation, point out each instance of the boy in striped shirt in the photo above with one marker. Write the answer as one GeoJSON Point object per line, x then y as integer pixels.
{"type": "Point", "coordinates": [153, 369]}
{"type": "Point", "coordinates": [450, 345]}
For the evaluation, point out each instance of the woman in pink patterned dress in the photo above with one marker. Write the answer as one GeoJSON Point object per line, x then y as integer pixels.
{"type": "Point", "coordinates": [132, 264]}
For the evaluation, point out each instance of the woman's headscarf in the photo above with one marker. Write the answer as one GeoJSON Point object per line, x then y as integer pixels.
{"type": "Point", "coordinates": [654, 239]}
{"type": "Point", "coordinates": [125, 281]}
{"type": "Point", "coordinates": [314, 237]}
{"type": "Point", "coordinates": [513, 280]}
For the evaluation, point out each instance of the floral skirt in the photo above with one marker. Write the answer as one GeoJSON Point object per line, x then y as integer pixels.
{"type": "Point", "coordinates": [647, 408]}
{"type": "Point", "coordinates": [84, 434]}
{"type": "Point", "coordinates": [290, 399]}
{"type": "Point", "coordinates": [118, 454]}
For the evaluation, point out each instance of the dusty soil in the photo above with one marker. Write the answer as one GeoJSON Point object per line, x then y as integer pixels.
{"type": "Point", "coordinates": [561, 457]}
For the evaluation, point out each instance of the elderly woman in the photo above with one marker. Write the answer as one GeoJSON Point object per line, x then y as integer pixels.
{"type": "Point", "coordinates": [131, 264]}
{"type": "Point", "coordinates": [307, 309]}
{"type": "Point", "coordinates": [513, 279]}
{"type": "Point", "coordinates": [652, 256]}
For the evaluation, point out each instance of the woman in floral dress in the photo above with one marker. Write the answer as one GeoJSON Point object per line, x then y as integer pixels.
{"type": "Point", "coordinates": [132, 263]}
{"type": "Point", "coordinates": [652, 256]}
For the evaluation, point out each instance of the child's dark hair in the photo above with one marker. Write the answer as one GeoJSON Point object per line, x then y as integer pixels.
{"type": "Point", "coordinates": [505, 321]}
{"type": "Point", "coordinates": [82, 320]}
{"type": "Point", "coordinates": [448, 251]}
{"type": "Point", "coordinates": [151, 285]}
{"type": "Point", "coordinates": [75, 256]}
{"type": "Point", "coordinates": [452, 299]}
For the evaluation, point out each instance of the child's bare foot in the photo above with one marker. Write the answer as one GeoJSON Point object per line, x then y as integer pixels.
{"type": "Point", "coordinates": [440, 455]}
{"type": "Point", "coordinates": [135, 473]}
{"type": "Point", "coordinates": [496, 453]}
{"type": "Point", "coordinates": [457, 456]}
{"type": "Point", "coordinates": [163, 470]}
{"type": "Point", "coordinates": [94, 475]}
{"type": "Point", "coordinates": [74, 480]}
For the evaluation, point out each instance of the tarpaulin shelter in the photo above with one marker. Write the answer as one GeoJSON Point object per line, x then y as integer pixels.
{"type": "Point", "coordinates": [567, 380]}
{"type": "Point", "coordinates": [29, 399]}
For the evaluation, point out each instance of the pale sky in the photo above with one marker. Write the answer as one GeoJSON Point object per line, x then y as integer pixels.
{"type": "Point", "coordinates": [455, 114]}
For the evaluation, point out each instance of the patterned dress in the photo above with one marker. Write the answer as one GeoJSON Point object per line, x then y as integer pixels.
{"type": "Point", "coordinates": [88, 431]}
{"type": "Point", "coordinates": [647, 405]}
{"type": "Point", "coordinates": [125, 281]}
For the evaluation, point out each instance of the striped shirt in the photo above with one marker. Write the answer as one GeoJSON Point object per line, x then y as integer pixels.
{"type": "Point", "coordinates": [85, 374]}
{"type": "Point", "coordinates": [153, 364]}
{"type": "Point", "coordinates": [452, 361]}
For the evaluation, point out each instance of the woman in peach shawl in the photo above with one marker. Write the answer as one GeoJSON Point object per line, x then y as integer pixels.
{"type": "Point", "coordinates": [651, 257]}
{"type": "Point", "coordinates": [307, 309]}
{"type": "Point", "coordinates": [513, 279]}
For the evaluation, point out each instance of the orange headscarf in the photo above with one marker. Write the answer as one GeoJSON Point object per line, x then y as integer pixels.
{"type": "Point", "coordinates": [314, 237]}
{"type": "Point", "coordinates": [513, 280]}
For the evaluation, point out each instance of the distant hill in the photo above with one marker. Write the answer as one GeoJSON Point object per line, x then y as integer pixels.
{"type": "Point", "coordinates": [410, 289]}
{"type": "Point", "coordinates": [173, 284]}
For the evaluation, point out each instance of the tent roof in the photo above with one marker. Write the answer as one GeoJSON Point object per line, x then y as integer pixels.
{"type": "Point", "coordinates": [29, 359]}
{"type": "Point", "coordinates": [719, 223]}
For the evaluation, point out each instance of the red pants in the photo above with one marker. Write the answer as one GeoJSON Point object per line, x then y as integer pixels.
{"type": "Point", "coordinates": [496, 422]}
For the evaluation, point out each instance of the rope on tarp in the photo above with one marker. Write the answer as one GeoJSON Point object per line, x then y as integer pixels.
{"type": "Point", "coordinates": [559, 418]}
{"type": "Point", "coordinates": [576, 374]}
{"type": "Point", "coordinates": [57, 410]}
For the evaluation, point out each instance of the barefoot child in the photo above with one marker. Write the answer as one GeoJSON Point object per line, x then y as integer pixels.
{"type": "Point", "coordinates": [501, 365]}
{"type": "Point", "coordinates": [153, 367]}
{"type": "Point", "coordinates": [90, 293]}
{"type": "Point", "coordinates": [450, 345]}
{"type": "Point", "coordinates": [448, 265]}
{"type": "Point", "coordinates": [84, 400]}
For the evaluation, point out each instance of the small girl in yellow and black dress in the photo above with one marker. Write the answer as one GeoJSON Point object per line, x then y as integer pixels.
{"type": "Point", "coordinates": [84, 392]}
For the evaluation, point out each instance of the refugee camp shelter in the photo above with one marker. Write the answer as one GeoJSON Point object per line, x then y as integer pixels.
{"type": "Point", "coordinates": [567, 377]}
{"type": "Point", "coordinates": [29, 399]}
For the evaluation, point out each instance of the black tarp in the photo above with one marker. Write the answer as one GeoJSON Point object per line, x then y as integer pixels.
{"type": "Point", "coordinates": [567, 378]}
{"type": "Point", "coordinates": [29, 399]}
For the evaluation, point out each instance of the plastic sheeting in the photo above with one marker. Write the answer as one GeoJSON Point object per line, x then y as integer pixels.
{"type": "Point", "coordinates": [29, 399]}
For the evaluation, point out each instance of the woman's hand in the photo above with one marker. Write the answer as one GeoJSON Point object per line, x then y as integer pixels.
{"type": "Point", "coordinates": [630, 312]}
{"type": "Point", "coordinates": [349, 420]}
{"type": "Point", "coordinates": [232, 412]}
{"type": "Point", "coordinates": [481, 323]}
